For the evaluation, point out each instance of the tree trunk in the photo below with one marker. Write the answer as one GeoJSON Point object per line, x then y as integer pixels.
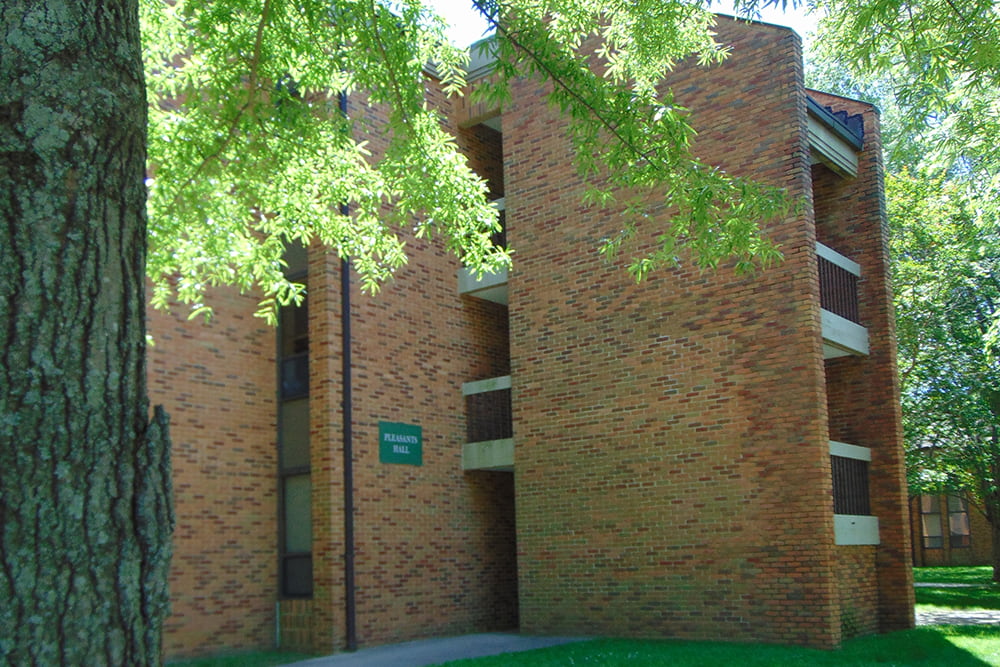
{"type": "Point", "coordinates": [995, 532]}
{"type": "Point", "coordinates": [990, 493]}
{"type": "Point", "coordinates": [85, 514]}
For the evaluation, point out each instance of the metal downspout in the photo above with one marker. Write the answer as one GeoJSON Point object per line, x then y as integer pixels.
{"type": "Point", "coordinates": [350, 611]}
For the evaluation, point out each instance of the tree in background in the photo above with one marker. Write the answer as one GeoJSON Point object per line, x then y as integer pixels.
{"type": "Point", "coordinates": [934, 67]}
{"type": "Point", "coordinates": [939, 58]}
{"type": "Point", "coordinates": [947, 291]}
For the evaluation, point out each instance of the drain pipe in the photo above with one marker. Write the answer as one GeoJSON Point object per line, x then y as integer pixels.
{"type": "Point", "coordinates": [350, 612]}
{"type": "Point", "coordinates": [345, 320]}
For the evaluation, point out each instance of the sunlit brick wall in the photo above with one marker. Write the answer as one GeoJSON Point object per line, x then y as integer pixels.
{"type": "Point", "coordinates": [672, 462]}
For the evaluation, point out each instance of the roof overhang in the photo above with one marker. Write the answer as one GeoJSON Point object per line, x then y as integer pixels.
{"type": "Point", "coordinates": [833, 143]}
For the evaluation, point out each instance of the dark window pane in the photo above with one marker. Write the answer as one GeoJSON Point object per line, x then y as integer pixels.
{"type": "Point", "coordinates": [930, 523]}
{"type": "Point", "coordinates": [294, 327]}
{"type": "Point", "coordinates": [295, 376]}
{"type": "Point", "coordinates": [958, 523]}
{"type": "Point", "coordinates": [296, 575]}
{"type": "Point", "coordinates": [850, 486]}
{"type": "Point", "coordinates": [296, 259]}
{"type": "Point", "coordinates": [295, 433]}
{"type": "Point", "coordinates": [298, 514]}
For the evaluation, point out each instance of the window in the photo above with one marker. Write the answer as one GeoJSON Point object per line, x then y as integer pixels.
{"type": "Point", "coordinates": [850, 486]}
{"type": "Point", "coordinates": [960, 537]}
{"type": "Point", "coordinates": [294, 482]}
{"type": "Point", "coordinates": [853, 522]}
{"type": "Point", "coordinates": [930, 522]}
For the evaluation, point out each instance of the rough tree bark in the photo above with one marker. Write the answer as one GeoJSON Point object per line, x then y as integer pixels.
{"type": "Point", "coordinates": [989, 487]}
{"type": "Point", "coordinates": [85, 514]}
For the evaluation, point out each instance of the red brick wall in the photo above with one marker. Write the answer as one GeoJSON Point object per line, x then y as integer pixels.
{"type": "Point", "coordinates": [434, 545]}
{"type": "Point", "coordinates": [671, 437]}
{"type": "Point", "coordinates": [435, 548]}
{"type": "Point", "coordinates": [672, 467]}
{"type": "Point", "coordinates": [216, 380]}
{"type": "Point", "coordinates": [857, 585]}
{"type": "Point", "coordinates": [863, 392]}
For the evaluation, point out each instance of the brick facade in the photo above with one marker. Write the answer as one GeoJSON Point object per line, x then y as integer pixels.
{"type": "Point", "coordinates": [672, 466]}
{"type": "Point", "coordinates": [979, 551]}
{"type": "Point", "coordinates": [216, 380]}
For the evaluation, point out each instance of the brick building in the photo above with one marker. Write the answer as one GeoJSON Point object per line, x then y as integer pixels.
{"type": "Point", "coordinates": [561, 450]}
{"type": "Point", "coordinates": [948, 530]}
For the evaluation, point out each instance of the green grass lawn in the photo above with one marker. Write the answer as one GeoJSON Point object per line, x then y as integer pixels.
{"type": "Point", "coordinates": [977, 576]}
{"type": "Point", "coordinates": [954, 647]}
{"type": "Point", "coordinates": [977, 590]}
{"type": "Point", "coordinates": [949, 646]}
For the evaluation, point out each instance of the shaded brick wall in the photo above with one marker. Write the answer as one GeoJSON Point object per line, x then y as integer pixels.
{"type": "Point", "coordinates": [216, 380]}
{"type": "Point", "coordinates": [434, 545]}
{"type": "Point", "coordinates": [671, 440]}
{"type": "Point", "coordinates": [863, 392]}
{"type": "Point", "coordinates": [857, 585]}
{"type": "Point", "coordinates": [483, 146]}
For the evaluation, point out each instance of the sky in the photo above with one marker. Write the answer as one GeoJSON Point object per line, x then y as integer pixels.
{"type": "Point", "coordinates": [467, 26]}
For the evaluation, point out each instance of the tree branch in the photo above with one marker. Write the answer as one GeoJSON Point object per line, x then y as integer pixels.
{"type": "Point", "coordinates": [556, 80]}
{"type": "Point", "coordinates": [252, 85]}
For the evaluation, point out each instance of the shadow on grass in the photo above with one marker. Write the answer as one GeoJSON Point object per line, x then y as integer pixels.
{"type": "Point", "coordinates": [951, 646]}
{"type": "Point", "coordinates": [971, 575]}
{"type": "Point", "coordinates": [986, 597]}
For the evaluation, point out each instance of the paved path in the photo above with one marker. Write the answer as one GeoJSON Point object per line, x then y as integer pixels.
{"type": "Point", "coordinates": [959, 617]}
{"type": "Point", "coordinates": [956, 616]}
{"type": "Point", "coordinates": [435, 651]}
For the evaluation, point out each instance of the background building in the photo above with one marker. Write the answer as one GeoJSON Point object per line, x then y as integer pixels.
{"type": "Point", "coordinates": [558, 449]}
{"type": "Point", "coordinates": [947, 530]}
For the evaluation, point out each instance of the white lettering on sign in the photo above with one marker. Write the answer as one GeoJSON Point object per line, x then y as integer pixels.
{"type": "Point", "coordinates": [396, 437]}
{"type": "Point", "coordinates": [400, 449]}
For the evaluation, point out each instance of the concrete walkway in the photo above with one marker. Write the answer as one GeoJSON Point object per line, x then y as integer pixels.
{"type": "Point", "coordinates": [435, 651]}
{"type": "Point", "coordinates": [957, 616]}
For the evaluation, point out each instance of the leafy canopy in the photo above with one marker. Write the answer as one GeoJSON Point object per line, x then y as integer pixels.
{"type": "Point", "coordinates": [947, 284]}
{"type": "Point", "coordinates": [250, 151]}
{"type": "Point", "coordinates": [938, 61]}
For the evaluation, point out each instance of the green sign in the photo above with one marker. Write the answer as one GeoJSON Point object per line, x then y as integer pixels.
{"type": "Point", "coordinates": [400, 443]}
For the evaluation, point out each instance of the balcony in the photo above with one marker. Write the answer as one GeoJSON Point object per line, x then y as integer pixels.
{"type": "Point", "coordinates": [489, 425]}
{"type": "Point", "coordinates": [853, 522]}
{"type": "Point", "coordinates": [490, 286]}
{"type": "Point", "coordinates": [838, 295]}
